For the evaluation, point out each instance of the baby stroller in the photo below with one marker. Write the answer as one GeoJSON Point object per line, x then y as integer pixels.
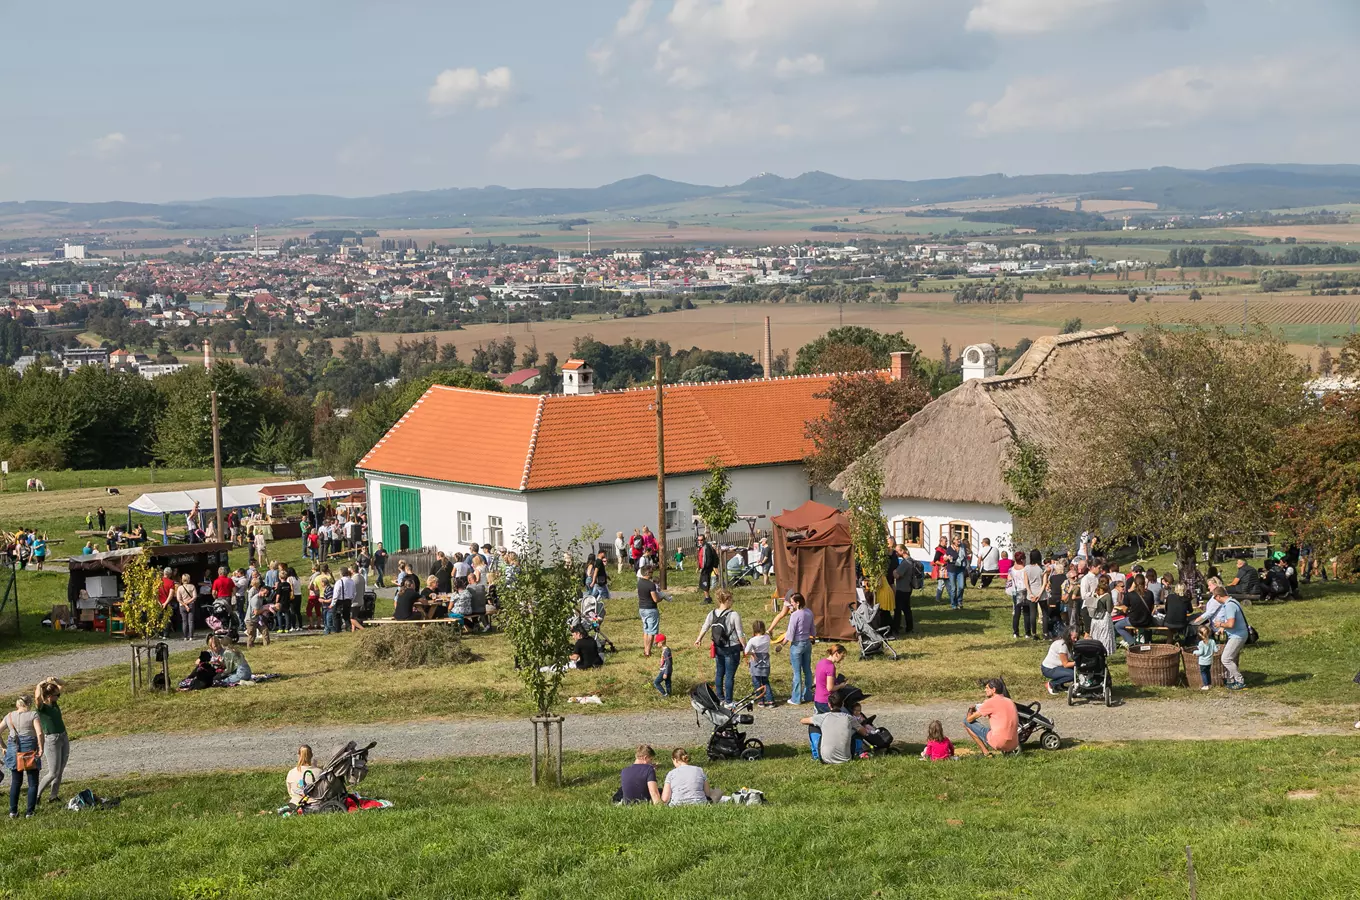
{"type": "Point", "coordinates": [726, 742]}
{"type": "Point", "coordinates": [847, 697]}
{"type": "Point", "coordinates": [331, 792]}
{"type": "Point", "coordinates": [590, 619]}
{"type": "Point", "coordinates": [221, 622]}
{"type": "Point", "coordinates": [872, 636]}
{"type": "Point", "coordinates": [1091, 676]}
{"type": "Point", "coordinates": [1031, 720]}
{"type": "Point", "coordinates": [743, 573]}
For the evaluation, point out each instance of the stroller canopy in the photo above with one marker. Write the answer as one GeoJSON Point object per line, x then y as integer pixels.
{"type": "Point", "coordinates": [813, 555]}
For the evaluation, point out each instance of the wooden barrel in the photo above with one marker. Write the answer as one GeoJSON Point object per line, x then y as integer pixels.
{"type": "Point", "coordinates": [1192, 677]}
{"type": "Point", "coordinates": [1154, 665]}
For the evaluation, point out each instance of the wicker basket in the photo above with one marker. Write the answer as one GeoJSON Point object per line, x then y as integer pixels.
{"type": "Point", "coordinates": [1192, 677]}
{"type": "Point", "coordinates": [1154, 665]}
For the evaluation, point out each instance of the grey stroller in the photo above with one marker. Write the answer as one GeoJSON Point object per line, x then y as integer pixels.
{"type": "Point", "coordinates": [872, 637]}
{"type": "Point", "coordinates": [331, 791]}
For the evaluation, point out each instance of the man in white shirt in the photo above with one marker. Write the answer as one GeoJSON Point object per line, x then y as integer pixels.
{"type": "Point", "coordinates": [1090, 578]}
{"type": "Point", "coordinates": [260, 549]}
{"type": "Point", "coordinates": [338, 611]}
{"type": "Point", "coordinates": [360, 587]}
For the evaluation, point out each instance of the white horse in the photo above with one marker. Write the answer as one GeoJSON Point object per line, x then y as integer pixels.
{"type": "Point", "coordinates": [35, 484]}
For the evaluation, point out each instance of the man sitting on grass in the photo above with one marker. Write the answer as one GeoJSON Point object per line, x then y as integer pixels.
{"type": "Point", "coordinates": [838, 732]}
{"type": "Point", "coordinates": [1247, 584]}
{"type": "Point", "coordinates": [1002, 733]}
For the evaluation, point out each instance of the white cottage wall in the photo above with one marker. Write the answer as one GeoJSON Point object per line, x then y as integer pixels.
{"type": "Point", "coordinates": [440, 505]}
{"type": "Point", "coordinates": [759, 491]}
{"type": "Point", "coordinates": [987, 521]}
{"type": "Point", "coordinates": [764, 490]}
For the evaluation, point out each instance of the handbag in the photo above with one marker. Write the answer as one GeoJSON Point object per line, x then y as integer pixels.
{"type": "Point", "coordinates": [25, 761]}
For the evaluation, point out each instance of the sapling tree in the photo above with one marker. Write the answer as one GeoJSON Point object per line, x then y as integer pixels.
{"type": "Point", "coordinates": [143, 615]}
{"type": "Point", "coordinates": [868, 528]}
{"type": "Point", "coordinates": [713, 507]}
{"type": "Point", "coordinates": [536, 603]}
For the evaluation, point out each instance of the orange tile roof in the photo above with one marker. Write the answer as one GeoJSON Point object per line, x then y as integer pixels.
{"type": "Point", "coordinates": [460, 435]}
{"type": "Point", "coordinates": [573, 364]}
{"type": "Point", "coordinates": [525, 442]}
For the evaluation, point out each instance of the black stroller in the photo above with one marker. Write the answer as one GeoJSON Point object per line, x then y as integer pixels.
{"type": "Point", "coordinates": [1032, 721]}
{"type": "Point", "coordinates": [726, 742]}
{"type": "Point", "coordinates": [1090, 674]}
{"type": "Point", "coordinates": [331, 792]}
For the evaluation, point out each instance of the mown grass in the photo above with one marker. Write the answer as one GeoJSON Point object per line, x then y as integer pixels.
{"type": "Point", "coordinates": [1306, 657]}
{"type": "Point", "coordinates": [1092, 821]}
{"type": "Point", "coordinates": [65, 479]}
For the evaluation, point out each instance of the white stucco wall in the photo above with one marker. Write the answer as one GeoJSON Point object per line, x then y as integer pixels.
{"type": "Point", "coordinates": [988, 521]}
{"type": "Point", "coordinates": [767, 491]}
{"type": "Point", "coordinates": [439, 508]}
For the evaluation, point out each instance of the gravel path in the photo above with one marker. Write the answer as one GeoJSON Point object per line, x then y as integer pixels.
{"type": "Point", "coordinates": [1234, 717]}
{"type": "Point", "coordinates": [23, 674]}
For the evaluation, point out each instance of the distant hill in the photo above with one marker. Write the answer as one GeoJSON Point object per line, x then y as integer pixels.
{"type": "Point", "coordinates": [1238, 187]}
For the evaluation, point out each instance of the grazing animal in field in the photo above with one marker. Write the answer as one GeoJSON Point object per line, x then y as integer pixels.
{"type": "Point", "coordinates": [35, 484]}
{"type": "Point", "coordinates": [112, 491]}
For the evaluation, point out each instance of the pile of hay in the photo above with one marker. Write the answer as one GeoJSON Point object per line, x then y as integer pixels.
{"type": "Point", "coordinates": [410, 647]}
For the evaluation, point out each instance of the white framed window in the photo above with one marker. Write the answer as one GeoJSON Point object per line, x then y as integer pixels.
{"type": "Point", "coordinates": [672, 515]}
{"type": "Point", "coordinates": [909, 532]}
{"type": "Point", "coordinates": [495, 531]}
{"type": "Point", "coordinates": [464, 528]}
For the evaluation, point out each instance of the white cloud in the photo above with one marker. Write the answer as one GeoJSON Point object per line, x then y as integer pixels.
{"type": "Point", "coordinates": [1240, 92]}
{"type": "Point", "coordinates": [110, 144]}
{"type": "Point", "coordinates": [1022, 17]}
{"type": "Point", "coordinates": [457, 88]}
{"type": "Point", "coordinates": [634, 19]}
{"type": "Point", "coordinates": [700, 43]}
{"type": "Point", "coordinates": [807, 64]}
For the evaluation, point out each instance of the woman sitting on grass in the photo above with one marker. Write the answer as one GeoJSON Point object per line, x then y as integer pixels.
{"type": "Point", "coordinates": [301, 776]}
{"type": "Point", "coordinates": [687, 785]}
{"type": "Point", "coordinates": [234, 664]}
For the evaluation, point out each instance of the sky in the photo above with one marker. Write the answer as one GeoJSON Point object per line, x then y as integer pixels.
{"type": "Point", "coordinates": [152, 100]}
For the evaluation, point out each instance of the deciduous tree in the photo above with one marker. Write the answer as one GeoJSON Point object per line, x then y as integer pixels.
{"type": "Point", "coordinates": [865, 408]}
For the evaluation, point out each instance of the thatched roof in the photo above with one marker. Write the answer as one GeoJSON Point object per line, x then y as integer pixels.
{"type": "Point", "coordinates": [957, 447]}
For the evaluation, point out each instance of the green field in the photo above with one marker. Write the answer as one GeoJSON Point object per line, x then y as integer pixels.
{"type": "Point", "coordinates": [1266, 819]}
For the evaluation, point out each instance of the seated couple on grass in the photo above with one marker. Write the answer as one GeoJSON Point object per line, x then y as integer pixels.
{"type": "Point", "coordinates": [685, 785]}
{"type": "Point", "coordinates": [585, 652]}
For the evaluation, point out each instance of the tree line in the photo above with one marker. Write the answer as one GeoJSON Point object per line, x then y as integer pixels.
{"type": "Point", "coordinates": [1233, 255]}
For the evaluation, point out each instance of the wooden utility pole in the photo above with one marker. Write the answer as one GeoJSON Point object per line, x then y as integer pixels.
{"type": "Point", "coordinates": [660, 480]}
{"type": "Point", "coordinates": [217, 465]}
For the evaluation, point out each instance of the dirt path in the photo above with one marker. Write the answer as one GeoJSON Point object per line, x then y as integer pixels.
{"type": "Point", "coordinates": [1231, 717]}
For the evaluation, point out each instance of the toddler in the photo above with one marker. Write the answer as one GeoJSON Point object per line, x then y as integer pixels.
{"type": "Point", "coordinates": [758, 652]}
{"type": "Point", "coordinates": [679, 560]}
{"type": "Point", "coordinates": [938, 747]}
{"type": "Point", "coordinates": [662, 682]}
{"type": "Point", "coordinates": [1205, 654]}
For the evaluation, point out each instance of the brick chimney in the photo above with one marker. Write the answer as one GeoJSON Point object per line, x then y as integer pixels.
{"type": "Point", "coordinates": [207, 355]}
{"type": "Point", "coordinates": [768, 359]}
{"type": "Point", "coordinates": [899, 368]}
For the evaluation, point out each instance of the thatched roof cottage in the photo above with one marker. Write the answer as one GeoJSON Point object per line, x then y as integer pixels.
{"type": "Point", "coordinates": [943, 469]}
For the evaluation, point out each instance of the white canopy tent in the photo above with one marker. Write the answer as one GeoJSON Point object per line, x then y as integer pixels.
{"type": "Point", "coordinates": [234, 496]}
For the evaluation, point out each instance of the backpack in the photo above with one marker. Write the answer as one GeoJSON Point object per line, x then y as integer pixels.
{"type": "Point", "coordinates": [718, 631]}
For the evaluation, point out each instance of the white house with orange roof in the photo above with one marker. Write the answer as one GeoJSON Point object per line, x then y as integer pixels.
{"type": "Point", "coordinates": [465, 465]}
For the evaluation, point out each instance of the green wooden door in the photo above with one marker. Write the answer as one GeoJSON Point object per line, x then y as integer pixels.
{"type": "Point", "coordinates": [400, 518]}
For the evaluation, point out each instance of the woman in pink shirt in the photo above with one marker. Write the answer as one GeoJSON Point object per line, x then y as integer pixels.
{"type": "Point", "coordinates": [1002, 731]}
{"type": "Point", "coordinates": [824, 678]}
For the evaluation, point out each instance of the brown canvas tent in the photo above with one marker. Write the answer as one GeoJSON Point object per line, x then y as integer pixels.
{"type": "Point", "coordinates": [813, 554]}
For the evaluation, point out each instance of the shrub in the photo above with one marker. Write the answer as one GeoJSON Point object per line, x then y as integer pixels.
{"type": "Point", "coordinates": [38, 454]}
{"type": "Point", "coordinates": [410, 647]}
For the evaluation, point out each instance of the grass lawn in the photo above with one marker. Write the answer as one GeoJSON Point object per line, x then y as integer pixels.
{"type": "Point", "coordinates": [1265, 819]}
{"type": "Point", "coordinates": [101, 478]}
{"type": "Point", "coordinates": [1305, 657]}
